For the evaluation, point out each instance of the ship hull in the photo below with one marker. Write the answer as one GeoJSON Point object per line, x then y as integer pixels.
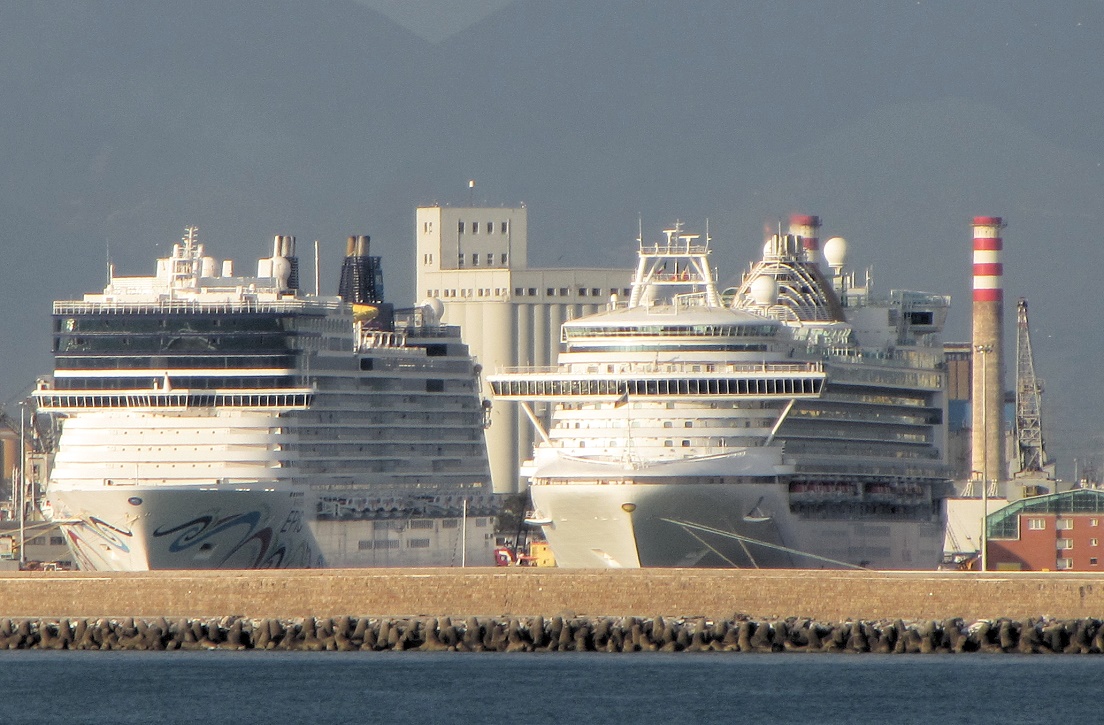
{"type": "Point", "coordinates": [141, 528]}
{"type": "Point", "coordinates": [746, 525]}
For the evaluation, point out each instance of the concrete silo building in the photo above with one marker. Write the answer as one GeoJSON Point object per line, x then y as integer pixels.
{"type": "Point", "coordinates": [475, 261]}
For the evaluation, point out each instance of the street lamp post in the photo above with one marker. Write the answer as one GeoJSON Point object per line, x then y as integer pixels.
{"type": "Point", "coordinates": [983, 351]}
{"type": "Point", "coordinates": [22, 488]}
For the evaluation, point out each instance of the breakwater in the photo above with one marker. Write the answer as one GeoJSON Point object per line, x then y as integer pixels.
{"type": "Point", "coordinates": [826, 596]}
{"type": "Point", "coordinates": [557, 634]}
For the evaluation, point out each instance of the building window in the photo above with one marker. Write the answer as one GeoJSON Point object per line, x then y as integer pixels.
{"type": "Point", "coordinates": [519, 291]}
{"type": "Point", "coordinates": [582, 292]}
{"type": "Point", "coordinates": [1063, 524]}
{"type": "Point", "coordinates": [460, 227]}
{"type": "Point", "coordinates": [460, 259]}
{"type": "Point", "coordinates": [490, 227]}
{"type": "Point", "coordinates": [505, 227]}
{"type": "Point", "coordinates": [1065, 543]}
{"type": "Point", "coordinates": [551, 292]}
{"type": "Point", "coordinates": [475, 259]}
{"type": "Point", "coordinates": [417, 544]}
{"type": "Point", "coordinates": [57, 541]}
{"type": "Point", "coordinates": [490, 259]}
{"type": "Point", "coordinates": [475, 227]}
{"type": "Point", "coordinates": [595, 292]}
{"type": "Point", "coordinates": [1094, 542]}
{"type": "Point", "coordinates": [505, 258]}
{"type": "Point", "coordinates": [1092, 560]}
{"type": "Point", "coordinates": [1036, 524]}
{"type": "Point", "coordinates": [563, 292]}
{"type": "Point", "coordinates": [1065, 563]}
{"type": "Point", "coordinates": [1094, 522]}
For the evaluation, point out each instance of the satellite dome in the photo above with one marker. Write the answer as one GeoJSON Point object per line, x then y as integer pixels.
{"type": "Point", "coordinates": [835, 251]}
{"type": "Point", "coordinates": [764, 290]}
{"type": "Point", "coordinates": [434, 308]}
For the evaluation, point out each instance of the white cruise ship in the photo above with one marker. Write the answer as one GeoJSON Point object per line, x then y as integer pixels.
{"type": "Point", "coordinates": [794, 421]}
{"type": "Point", "coordinates": [209, 420]}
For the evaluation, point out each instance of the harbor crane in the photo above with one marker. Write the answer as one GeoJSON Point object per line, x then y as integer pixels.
{"type": "Point", "coordinates": [1031, 456]}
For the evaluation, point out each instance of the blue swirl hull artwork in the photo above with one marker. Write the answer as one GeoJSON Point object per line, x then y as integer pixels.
{"type": "Point", "coordinates": [166, 528]}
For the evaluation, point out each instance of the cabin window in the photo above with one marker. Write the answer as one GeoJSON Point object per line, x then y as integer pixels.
{"type": "Point", "coordinates": [920, 318]}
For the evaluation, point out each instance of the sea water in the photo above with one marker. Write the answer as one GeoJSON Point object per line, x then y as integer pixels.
{"type": "Point", "coordinates": [579, 689]}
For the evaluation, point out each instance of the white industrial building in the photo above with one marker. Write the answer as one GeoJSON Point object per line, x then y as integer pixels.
{"type": "Point", "coordinates": [474, 260]}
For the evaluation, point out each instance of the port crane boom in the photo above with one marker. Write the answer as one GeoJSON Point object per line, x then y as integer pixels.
{"type": "Point", "coordinates": [1031, 455]}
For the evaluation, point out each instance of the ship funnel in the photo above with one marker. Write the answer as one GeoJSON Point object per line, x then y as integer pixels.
{"type": "Point", "coordinates": [361, 274]}
{"type": "Point", "coordinates": [293, 263]}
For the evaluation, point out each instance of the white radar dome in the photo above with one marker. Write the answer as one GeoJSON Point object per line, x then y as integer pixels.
{"type": "Point", "coordinates": [764, 290]}
{"type": "Point", "coordinates": [835, 251]}
{"type": "Point", "coordinates": [434, 308]}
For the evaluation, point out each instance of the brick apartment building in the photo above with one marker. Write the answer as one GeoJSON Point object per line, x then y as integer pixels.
{"type": "Point", "coordinates": [1057, 532]}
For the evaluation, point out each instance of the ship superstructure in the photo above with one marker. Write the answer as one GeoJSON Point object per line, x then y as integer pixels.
{"type": "Point", "coordinates": [216, 421]}
{"type": "Point", "coordinates": [793, 421]}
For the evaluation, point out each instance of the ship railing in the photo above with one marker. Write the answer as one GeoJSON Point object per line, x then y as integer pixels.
{"type": "Point", "coordinates": [673, 249]}
{"type": "Point", "coordinates": [72, 307]}
{"type": "Point", "coordinates": [814, 366]}
{"type": "Point", "coordinates": [378, 339]}
{"type": "Point", "coordinates": [921, 299]}
{"type": "Point", "coordinates": [431, 331]}
{"type": "Point", "coordinates": [74, 401]}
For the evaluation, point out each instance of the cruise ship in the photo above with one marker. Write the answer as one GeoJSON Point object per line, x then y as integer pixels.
{"type": "Point", "coordinates": [207, 420]}
{"type": "Point", "coordinates": [794, 420]}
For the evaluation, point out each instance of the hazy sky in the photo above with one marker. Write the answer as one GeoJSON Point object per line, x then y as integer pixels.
{"type": "Point", "coordinates": [436, 20]}
{"type": "Point", "coordinates": [124, 121]}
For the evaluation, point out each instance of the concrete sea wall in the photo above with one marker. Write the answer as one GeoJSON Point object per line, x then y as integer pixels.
{"type": "Point", "coordinates": [717, 595]}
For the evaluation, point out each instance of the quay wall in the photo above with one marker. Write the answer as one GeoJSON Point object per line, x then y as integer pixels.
{"type": "Point", "coordinates": [766, 594]}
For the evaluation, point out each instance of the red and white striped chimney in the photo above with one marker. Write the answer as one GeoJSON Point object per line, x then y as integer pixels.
{"type": "Point", "coordinates": [807, 227]}
{"type": "Point", "coordinates": [987, 404]}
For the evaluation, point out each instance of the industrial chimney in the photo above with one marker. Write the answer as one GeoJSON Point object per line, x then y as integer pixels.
{"type": "Point", "coordinates": [987, 392]}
